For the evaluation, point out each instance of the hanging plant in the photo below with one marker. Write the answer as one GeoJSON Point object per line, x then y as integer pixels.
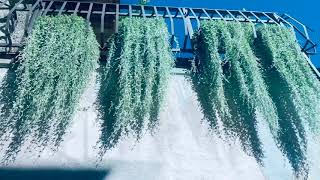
{"type": "Point", "coordinates": [292, 65]}
{"type": "Point", "coordinates": [234, 81]}
{"type": "Point", "coordinates": [241, 85]}
{"type": "Point", "coordinates": [55, 66]}
{"type": "Point", "coordinates": [208, 80]}
{"type": "Point", "coordinates": [293, 87]}
{"type": "Point", "coordinates": [134, 80]}
{"type": "Point", "coordinates": [246, 70]}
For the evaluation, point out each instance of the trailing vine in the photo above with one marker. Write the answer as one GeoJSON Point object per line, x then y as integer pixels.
{"type": "Point", "coordinates": [292, 65]}
{"type": "Point", "coordinates": [235, 81]}
{"type": "Point", "coordinates": [56, 63]}
{"type": "Point", "coordinates": [208, 80]}
{"type": "Point", "coordinates": [136, 77]}
{"type": "Point", "coordinates": [297, 95]}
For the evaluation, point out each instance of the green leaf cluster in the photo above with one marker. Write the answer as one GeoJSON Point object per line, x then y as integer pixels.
{"type": "Point", "coordinates": [55, 66]}
{"type": "Point", "coordinates": [230, 78]}
{"type": "Point", "coordinates": [134, 79]}
{"type": "Point", "coordinates": [295, 90]}
{"type": "Point", "coordinates": [240, 79]}
{"type": "Point", "coordinates": [291, 63]}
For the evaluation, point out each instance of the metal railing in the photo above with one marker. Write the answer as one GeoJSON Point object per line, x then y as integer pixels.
{"type": "Point", "coordinates": [191, 17]}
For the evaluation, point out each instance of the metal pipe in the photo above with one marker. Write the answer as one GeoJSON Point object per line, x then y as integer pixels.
{"type": "Point", "coordinates": [28, 16]}
{"type": "Point", "coordinates": [171, 21]}
{"type": "Point", "coordinates": [89, 12]}
{"type": "Point", "coordinates": [258, 19]}
{"type": "Point", "coordinates": [102, 18]}
{"type": "Point", "coordinates": [270, 18]}
{"type": "Point", "coordinates": [62, 7]}
{"type": "Point", "coordinates": [47, 8]}
{"type": "Point", "coordinates": [76, 9]}
{"type": "Point", "coordinates": [232, 16]}
{"type": "Point", "coordinates": [197, 19]}
{"type": "Point", "coordinates": [155, 11]}
{"type": "Point", "coordinates": [117, 19]}
{"type": "Point", "coordinates": [10, 15]}
{"type": "Point", "coordinates": [130, 11]}
{"type": "Point", "coordinates": [206, 13]}
{"type": "Point", "coordinates": [220, 15]}
{"type": "Point", "coordinates": [304, 27]}
{"type": "Point", "coordinates": [143, 12]}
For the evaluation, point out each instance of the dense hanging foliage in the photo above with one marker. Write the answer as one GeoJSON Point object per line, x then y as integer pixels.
{"type": "Point", "coordinates": [240, 79]}
{"type": "Point", "coordinates": [208, 80]}
{"type": "Point", "coordinates": [55, 65]}
{"type": "Point", "coordinates": [294, 89]}
{"type": "Point", "coordinates": [291, 63]}
{"type": "Point", "coordinates": [134, 80]}
{"type": "Point", "coordinates": [231, 79]}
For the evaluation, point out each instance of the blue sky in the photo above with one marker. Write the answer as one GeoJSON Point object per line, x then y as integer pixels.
{"type": "Point", "coordinates": [307, 11]}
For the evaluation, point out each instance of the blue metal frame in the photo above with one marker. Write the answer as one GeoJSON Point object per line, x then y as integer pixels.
{"type": "Point", "coordinates": [174, 14]}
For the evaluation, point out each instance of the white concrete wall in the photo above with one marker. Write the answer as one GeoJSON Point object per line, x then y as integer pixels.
{"type": "Point", "coordinates": [183, 147]}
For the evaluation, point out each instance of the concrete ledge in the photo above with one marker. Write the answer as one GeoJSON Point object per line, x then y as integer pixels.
{"type": "Point", "coordinates": [5, 63]}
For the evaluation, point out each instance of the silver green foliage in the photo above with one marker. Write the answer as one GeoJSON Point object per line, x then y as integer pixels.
{"type": "Point", "coordinates": [293, 67]}
{"type": "Point", "coordinates": [209, 79]}
{"type": "Point", "coordinates": [230, 83]}
{"type": "Point", "coordinates": [234, 86]}
{"type": "Point", "coordinates": [233, 39]}
{"type": "Point", "coordinates": [55, 66]}
{"type": "Point", "coordinates": [136, 78]}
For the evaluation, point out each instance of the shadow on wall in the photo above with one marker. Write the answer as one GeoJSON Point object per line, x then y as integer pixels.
{"type": "Point", "coordinates": [52, 174]}
{"type": "Point", "coordinates": [7, 95]}
{"type": "Point", "coordinates": [8, 92]}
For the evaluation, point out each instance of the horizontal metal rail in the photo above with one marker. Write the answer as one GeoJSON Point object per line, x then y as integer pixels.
{"type": "Point", "coordinates": [187, 15]}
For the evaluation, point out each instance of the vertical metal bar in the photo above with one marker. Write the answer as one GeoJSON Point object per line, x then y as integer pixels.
{"type": "Point", "coordinates": [304, 27]}
{"type": "Point", "coordinates": [10, 15]}
{"type": "Point", "coordinates": [253, 26]}
{"type": "Point", "coordinates": [48, 7]}
{"type": "Point", "coordinates": [62, 7]}
{"type": "Point", "coordinates": [155, 11]}
{"type": "Point", "coordinates": [258, 19]}
{"type": "Point", "coordinates": [200, 15]}
{"type": "Point", "coordinates": [220, 15]}
{"type": "Point", "coordinates": [43, 4]}
{"type": "Point", "coordinates": [89, 12]}
{"type": "Point", "coordinates": [130, 11]}
{"type": "Point", "coordinates": [103, 13]}
{"type": "Point", "coordinates": [206, 13]}
{"type": "Point", "coordinates": [117, 18]}
{"type": "Point", "coordinates": [244, 16]}
{"type": "Point", "coordinates": [76, 9]}
{"type": "Point", "coordinates": [197, 19]}
{"type": "Point", "coordinates": [188, 23]}
{"type": "Point", "coordinates": [186, 32]}
{"type": "Point", "coordinates": [35, 15]}
{"type": "Point", "coordinates": [171, 21]}
{"type": "Point", "coordinates": [27, 21]}
{"type": "Point", "coordinates": [291, 26]}
{"type": "Point", "coordinates": [143, 12]}
{"type": "Point", "coordinates": [233, 17]}
{"type": "Point", "coordinates": [270, 18]}
{"type": "Point", "coordinates": [102, 17]}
